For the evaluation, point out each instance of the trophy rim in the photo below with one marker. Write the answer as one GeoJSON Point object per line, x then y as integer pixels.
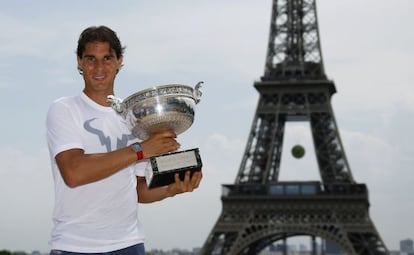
{"type": "Point", "coordinates": [154, 92]}
{"type": "Point", "coordinates": [156, 88]}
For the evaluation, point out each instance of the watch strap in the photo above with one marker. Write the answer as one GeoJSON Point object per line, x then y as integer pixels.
{"type": "Point", "coordinates": [140, 155]}
{"type": "Point", "coordinates": [138, 150]}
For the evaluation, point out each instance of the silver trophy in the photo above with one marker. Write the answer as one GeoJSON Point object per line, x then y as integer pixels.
{"type": "Point", "coordinates": [157, 109]}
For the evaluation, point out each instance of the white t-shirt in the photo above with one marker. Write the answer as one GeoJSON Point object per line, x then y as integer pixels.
{"type": "Point", "coordinates": [101, 216]}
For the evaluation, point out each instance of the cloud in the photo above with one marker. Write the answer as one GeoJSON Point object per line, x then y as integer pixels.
{"type": "Point", "coordinates": [382, 158]}
{"type": "Point", "coordinates": [367, 52]}
{"type": "Point", "coordinates": [26, 191]}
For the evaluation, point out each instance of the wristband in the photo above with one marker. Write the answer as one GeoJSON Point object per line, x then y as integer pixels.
{"type": "Point", "coordinates": [138, 150]}
{"type": "Point", "coordinates": [140, 155]}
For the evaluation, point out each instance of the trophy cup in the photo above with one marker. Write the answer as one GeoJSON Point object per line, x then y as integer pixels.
{"type": "Point", "coordinates": [157, 109]}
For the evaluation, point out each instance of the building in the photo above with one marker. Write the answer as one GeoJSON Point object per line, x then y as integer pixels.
{"type": "Point", "coordinates": [407, 247]}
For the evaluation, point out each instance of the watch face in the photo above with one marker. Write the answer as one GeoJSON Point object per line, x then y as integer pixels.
{"type": "Point", "coordinates": [136, 147]}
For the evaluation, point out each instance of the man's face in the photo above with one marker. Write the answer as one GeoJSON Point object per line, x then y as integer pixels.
{"type": "Point", "coordinates": [99, 64]}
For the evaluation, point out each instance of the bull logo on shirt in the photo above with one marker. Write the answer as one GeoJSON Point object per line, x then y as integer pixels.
{"type": "Point", "coordinates": [105, 139]}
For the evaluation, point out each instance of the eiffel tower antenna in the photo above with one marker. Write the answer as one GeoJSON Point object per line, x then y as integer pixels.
{"type": "Point", "coordinates": [259, 209]}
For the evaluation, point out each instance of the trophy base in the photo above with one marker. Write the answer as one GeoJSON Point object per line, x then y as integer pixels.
{"type": "Point", "coordinates": [164, 167]}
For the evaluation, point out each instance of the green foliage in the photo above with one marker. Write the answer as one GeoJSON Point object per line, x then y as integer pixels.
{"type": "Point", "coordinates": [5, 252]}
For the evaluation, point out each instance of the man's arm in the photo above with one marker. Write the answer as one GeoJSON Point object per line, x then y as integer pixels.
{"type": "Point", "coordinates": [78, 168]}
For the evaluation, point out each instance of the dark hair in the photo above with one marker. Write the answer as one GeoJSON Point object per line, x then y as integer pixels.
{"type": "Point", "coordinates": [100, 34]}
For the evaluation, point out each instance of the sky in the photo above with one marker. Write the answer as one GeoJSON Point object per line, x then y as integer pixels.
{"type": "Point", "coordinates": [367, 51]}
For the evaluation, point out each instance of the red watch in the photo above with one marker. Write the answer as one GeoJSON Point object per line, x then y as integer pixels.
{"type": "Point", "coordinates": [138, 150]}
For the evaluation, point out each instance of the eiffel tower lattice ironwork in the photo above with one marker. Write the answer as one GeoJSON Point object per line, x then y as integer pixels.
{"type": "Point", "coordinates": [258, 209]}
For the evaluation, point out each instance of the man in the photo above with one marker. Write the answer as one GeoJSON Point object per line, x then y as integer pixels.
{"type": "Point", "coordinates": [98, 166]}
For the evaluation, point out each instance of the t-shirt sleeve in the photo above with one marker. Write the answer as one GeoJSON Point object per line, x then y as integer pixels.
{"type": "Point", "coordinates": [141, 167]}
{"type": "Point", "coordinates": [62, 128]}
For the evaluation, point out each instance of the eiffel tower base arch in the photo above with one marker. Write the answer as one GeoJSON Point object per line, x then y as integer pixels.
{"type": "Point", "coordinates": [251, 221]}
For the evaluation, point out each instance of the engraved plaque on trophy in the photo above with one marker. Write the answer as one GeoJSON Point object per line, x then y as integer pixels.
{"type": "Point", "coordinates": [153, 110]}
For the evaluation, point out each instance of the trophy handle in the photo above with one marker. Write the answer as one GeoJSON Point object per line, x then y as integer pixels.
{"type": "Point", "coordinates": [198, 92]}
{"type": "Point", "coordinates": [116, 103]}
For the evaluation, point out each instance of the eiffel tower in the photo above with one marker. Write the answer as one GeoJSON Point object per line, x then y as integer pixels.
{"type": "Point", "coordinates": [258, 209]}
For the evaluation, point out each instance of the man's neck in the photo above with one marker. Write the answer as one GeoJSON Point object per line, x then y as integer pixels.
{"type": "Point", "coordinates": [98, 97]}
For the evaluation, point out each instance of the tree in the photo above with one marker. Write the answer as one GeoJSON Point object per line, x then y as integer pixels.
{"type": "Point", "coordinates": [5, 252]}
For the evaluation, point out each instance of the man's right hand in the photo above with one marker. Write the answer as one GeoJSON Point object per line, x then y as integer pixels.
{"type": "Point", "coordinates": [160, 143]}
